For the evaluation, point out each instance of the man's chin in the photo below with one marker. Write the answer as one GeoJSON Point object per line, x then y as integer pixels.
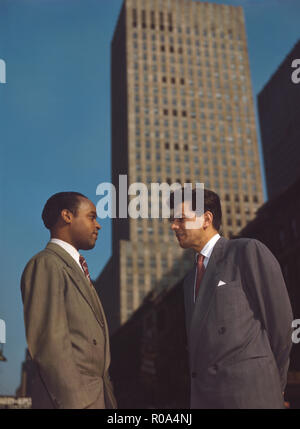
{"type": "Point", "coordinates": [182, 243]}
{"type": "Point", "coordinates": [88, 246]}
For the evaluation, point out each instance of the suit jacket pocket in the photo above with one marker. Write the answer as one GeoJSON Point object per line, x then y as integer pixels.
{"type": "Point", "coordinates": [230, 302]}
{"type": "Point", "coordinates": [94, 387]}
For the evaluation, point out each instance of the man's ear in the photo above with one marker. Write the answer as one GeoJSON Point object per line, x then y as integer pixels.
{"type": "Point", "coordinates": [66, 216]}
{"type": "Point", "coordinates": [208, 219]}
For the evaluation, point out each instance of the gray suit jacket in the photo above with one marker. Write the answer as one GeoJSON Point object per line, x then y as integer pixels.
{"type": "Point", "coordinates": [66, 333]}
{"type": "Point", "coordinates": [239, 333]}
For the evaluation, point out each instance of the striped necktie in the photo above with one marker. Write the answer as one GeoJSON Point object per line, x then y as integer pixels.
{"type": "Point", "coordinates": [200, 273]}
{"type": "Point", "coordinates": [85, 268]}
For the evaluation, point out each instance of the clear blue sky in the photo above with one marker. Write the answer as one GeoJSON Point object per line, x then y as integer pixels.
{"type": "Point", "coordinates": [55, 123]}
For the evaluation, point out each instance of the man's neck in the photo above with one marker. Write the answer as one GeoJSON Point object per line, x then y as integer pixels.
{"type": "Point", "coordinates": [200, 245]}
{"type": "Point", "coordinates": [64, 238]}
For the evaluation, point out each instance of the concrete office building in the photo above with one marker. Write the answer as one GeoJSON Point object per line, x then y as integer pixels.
{"type": "Point", "coordinates": [279, 111]}
{"type": "Point", "coordinates": [182, 111]}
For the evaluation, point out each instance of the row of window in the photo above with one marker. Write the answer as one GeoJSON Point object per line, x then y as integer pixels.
{"type": "Point", "coordinates": [216, 184]}
{"type": "Point", "coordinates": [196, 44]}
{"type": "Point", "coordinates": [202, 116]}
{"type": "Point", "coordinates": [195, 53]}
{"type": "Point", "coordinates": [237, 198]}
{"type": "Point", "coordinates": [193, 61]}
{"type": "Point", "coordinates": [214, 148]}
{"type": "Point", "coordinates": [171, 41]}
{"type": "Point", "coordinates": [197, 68]}
{"type": "Point", "coordinates": [182, 92]}
{"type": "Point", "coordinates": [195, 147]}
{"type": "Point", "coordinates": [156, 101]}
{"type": "Point", "coordinates": [225, 160]}
{"type": "Point", "coordinates": [161, 21]}
{"type": "Point", "coordinates": [217, 174]}
{"type": "Point", "coordinates": [203, 138]}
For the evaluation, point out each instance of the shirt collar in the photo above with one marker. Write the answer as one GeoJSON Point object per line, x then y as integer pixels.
{"type": "Point", "coordinates": [67, 247]}
{"type": "Point", "coordinates": [209, 246]}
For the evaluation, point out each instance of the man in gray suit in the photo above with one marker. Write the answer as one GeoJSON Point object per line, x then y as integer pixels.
{"type": "Point", "coordinates": [65, 324]}
{"type": "Point", "coordinates": [238, 314]}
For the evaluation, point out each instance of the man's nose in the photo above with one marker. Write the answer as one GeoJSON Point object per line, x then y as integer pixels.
{"type": "Point", "coordinates": [174, 226]}
{"type": "Point", "coordinates": [98, 226]}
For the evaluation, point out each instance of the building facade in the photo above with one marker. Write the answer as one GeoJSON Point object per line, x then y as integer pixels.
{"type": "Point", "coordinates": [149, 365]}
{"type": "Point", "coordinates": [182, 111]}
{"type": "Point", "coordinates": [279, 111]}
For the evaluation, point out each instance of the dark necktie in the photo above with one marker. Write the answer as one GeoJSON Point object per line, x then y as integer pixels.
{"type": "Point", "coordinates": [200, 273]}
{"type": "Point", "coordinates": [85, 268]}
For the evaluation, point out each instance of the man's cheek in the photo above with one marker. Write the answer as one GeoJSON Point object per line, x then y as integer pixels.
{"type": "Point", "coordinates": [195, 224]}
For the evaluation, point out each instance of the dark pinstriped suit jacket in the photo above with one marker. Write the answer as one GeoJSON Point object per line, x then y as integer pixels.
{"type": "Point", "coordinates": [239, 333]}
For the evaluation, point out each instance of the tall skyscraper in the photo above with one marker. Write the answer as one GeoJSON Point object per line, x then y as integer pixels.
{"type": "Point", "coordinates": [279, 111]}
{"type": "Point", "coordinates": [182, 111]}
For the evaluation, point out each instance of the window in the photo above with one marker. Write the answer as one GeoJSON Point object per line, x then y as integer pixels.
{"type": "Point", "coordinates": [143, 18]}
{"type": "Point", "coordinates": [134, 18]}
{"type": "Point", "coordinates": [161, 21]}
{"type": "Point", "coordinates": [152, 17]}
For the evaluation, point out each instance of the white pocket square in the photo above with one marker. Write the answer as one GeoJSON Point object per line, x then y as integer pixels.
{"type": "Point", "coordinates": [221, 283]}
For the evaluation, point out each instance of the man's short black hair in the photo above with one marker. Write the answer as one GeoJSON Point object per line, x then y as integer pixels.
{"type": "Point", "coordinates": [211, 203]}
{"type": "Point", "coordinates": [57, 203]}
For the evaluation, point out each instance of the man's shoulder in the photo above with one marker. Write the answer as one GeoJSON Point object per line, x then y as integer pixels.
{"type": "Point", "coordinates": [249, 247]}
{"type": "Point", "coordinates": [45, 256]}
{"type": "Point", "coordinates": [244, 243]}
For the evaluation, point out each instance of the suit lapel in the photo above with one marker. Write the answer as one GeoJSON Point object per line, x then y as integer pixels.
{"type": "Point", "coordinates": [206, 292]}
{"type": "Point", "coordinates": [81, 281]}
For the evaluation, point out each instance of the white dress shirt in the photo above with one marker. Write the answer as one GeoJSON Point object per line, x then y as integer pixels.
{"type": "Point", "coordinates": [68, 248]}
{"type": "Point", "coordinates": [206, 252]}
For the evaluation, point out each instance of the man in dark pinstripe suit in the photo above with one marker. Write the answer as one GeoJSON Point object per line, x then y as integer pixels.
{"type": "Point", "coordinates": [239, 323]}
